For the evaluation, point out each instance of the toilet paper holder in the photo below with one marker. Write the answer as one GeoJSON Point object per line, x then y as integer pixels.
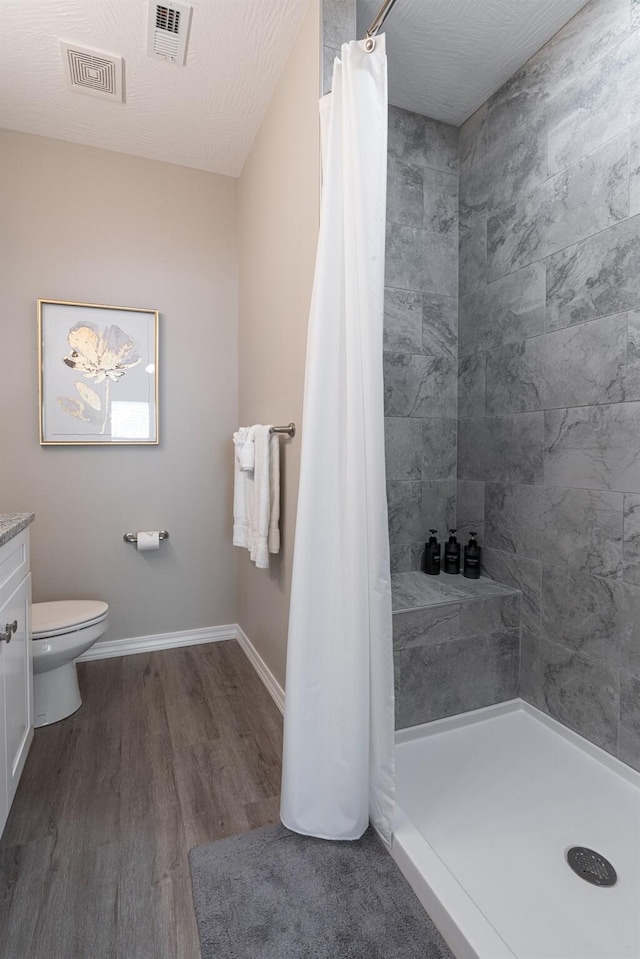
{"type": "Point", "coordinates": [133, 537]}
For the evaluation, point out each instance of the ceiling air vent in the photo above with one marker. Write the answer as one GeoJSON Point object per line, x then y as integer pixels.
{"type": "Point", "coordinates": [169, 31]}
{"type": "Point", "coordinates": [92, 71]}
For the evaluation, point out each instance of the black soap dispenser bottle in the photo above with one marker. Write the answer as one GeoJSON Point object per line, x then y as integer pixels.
{"type": "Point", "coordinates": [431, 559]}
{"type": "Point", "coordinates": [472, 558]}
{"type": "Point", "coordinates": [452, 554]}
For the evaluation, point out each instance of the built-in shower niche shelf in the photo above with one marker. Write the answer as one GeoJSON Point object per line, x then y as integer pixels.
{"type": "Point", "coordinates": [456, 645]}
{"type": "Point", "coordinates": [417, 590]}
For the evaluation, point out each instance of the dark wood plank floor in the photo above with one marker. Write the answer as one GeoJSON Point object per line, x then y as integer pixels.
{"type": "Point", "coordinates": [169, 750]}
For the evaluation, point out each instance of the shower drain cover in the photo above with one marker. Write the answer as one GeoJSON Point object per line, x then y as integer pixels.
{"type": "Point", "coordinates": [591, 866]}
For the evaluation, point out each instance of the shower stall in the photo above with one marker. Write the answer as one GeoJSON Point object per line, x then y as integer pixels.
{"type": "Point", "coordinates": [512, 409]}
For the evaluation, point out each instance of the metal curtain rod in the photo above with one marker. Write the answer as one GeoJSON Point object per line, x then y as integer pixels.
{"type": "Point", "coordinates": [378, 20]}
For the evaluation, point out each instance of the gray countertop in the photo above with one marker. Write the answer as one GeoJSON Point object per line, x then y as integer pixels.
{"type": "Point", "coordinates": [13, 523]}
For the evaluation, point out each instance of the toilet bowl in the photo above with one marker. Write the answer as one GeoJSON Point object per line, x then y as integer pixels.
{"type": "Point", "coordinates": [61, 632]}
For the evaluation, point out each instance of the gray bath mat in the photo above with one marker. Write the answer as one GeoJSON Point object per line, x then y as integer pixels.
{"type": "Point", "coordinates": [271, 894]}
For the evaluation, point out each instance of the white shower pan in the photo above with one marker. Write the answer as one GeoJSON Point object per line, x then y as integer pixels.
{"type": "Point", "coordinates": [487, 805]}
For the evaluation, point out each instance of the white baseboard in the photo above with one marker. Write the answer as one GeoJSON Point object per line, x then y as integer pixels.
{"type": "Point", "coordinates": [190, 637]}
{"type": "Point", "coordinates": [272, 685]}
{"type": "Point", "coordinates": [148, 644]}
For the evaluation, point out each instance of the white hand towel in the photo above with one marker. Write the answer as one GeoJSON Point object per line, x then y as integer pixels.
{"type": "Point", "coordinates": [274, 492]}
{"type": "Point", "coordinates": [256, 494]}
{"type": "Point", "coordinates": [245, 450]}
{"type": "Point", "coordinates": [260, 500]}
{"type": "Point", "coordinates": [241, 482]}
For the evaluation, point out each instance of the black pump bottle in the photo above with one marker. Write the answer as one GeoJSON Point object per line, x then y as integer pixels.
{"type": "Point", "coordinates": [431, 558]}
{"type": "Point", "coordinates": [452, 554]}
{"type": "Point", "coordinates": [472, 558]}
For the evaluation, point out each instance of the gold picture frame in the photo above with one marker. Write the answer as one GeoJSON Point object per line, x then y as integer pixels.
{"type": "Point", "coordinates": [98, 374]}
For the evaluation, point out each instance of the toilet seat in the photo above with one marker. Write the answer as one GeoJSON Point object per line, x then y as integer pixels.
{"type": "Point", "coordinates": [66, 616]}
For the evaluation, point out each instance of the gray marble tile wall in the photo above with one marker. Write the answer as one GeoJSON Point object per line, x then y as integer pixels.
{"type": "Point", "coordinates": [455, 676]}
{"type": "Point", "coordinates": [420, 332]}
{"type": "Point", "coordinates": [338, 27]}
{"type": "Point", "coordinates": [456, 645]}
{"type": "Point", "coordinates": [549, 365]}
{"type": "Point", "coordinates": [421, 314]}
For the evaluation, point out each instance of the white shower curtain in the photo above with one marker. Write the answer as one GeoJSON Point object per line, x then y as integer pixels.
{"type": "Point", "coordinates": [339, 722]}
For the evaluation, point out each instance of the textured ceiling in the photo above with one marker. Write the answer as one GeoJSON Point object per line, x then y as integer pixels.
{"type": "Point", "coordinates": [202, 115]}
{"type": "Point", "coordinates": [446, 57]}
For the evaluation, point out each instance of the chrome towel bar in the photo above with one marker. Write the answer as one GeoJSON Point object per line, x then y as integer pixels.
{"type": "Point", "coordinates": [290, 430]}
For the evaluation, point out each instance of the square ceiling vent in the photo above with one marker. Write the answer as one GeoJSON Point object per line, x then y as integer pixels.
{"type": "Point", "coordinates": [93, 71]}
{"type": "Point", "coordinates": [168, 31]}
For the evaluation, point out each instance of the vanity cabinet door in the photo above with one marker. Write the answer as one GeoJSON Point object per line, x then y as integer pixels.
{"type": "Point", "coordinates": [18, 683]}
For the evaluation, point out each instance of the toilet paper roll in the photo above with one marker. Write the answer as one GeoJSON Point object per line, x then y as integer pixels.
{"type": "Point", "coordinates": [148, 540]}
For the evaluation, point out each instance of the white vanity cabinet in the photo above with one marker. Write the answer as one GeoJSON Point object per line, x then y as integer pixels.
{"type": "Point", "coordinates": [16, 673]}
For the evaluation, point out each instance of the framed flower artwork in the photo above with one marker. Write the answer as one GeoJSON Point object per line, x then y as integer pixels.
{"type": "Point", "coordinates": [98, 374]}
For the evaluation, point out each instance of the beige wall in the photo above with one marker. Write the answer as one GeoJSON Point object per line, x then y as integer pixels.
{"type": "Point", "coordinates": [278, 203]}
{"type": "Point", "coordinates": [90, 225]}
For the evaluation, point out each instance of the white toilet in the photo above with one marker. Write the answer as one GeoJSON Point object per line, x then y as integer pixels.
{"type": "Point", "coordinates": [62, 631]}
